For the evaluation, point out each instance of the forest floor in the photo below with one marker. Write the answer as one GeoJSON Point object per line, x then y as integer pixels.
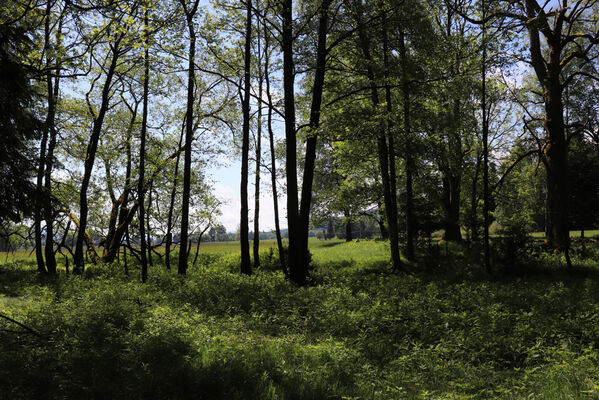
{"type": "Point", "coordinates": [443, 329]}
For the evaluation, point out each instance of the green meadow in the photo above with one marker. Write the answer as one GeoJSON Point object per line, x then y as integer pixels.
{"type": "Point", "coordinates": [442, 329]}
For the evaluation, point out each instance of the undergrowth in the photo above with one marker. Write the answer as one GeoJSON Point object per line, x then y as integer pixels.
{"type": "Point", "coordinates": [442, 329]}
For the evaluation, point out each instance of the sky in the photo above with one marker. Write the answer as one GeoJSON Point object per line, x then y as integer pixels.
{"type": "Point", "coordinates": [227, 187]}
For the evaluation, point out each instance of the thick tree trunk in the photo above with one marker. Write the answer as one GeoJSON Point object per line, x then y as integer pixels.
{"type": "Point", "coordinates": [451, 205]}
{"type": "Point", "coordinates": [298, 271]}
{"type": "Point", "coordinates": [246, 267]}
{"type": "Point", "coordinates": [39, 249]}
{"type": "Point", "coordinates": [555, 152]}
{"type": "Point", "coordinates": [90, 158]}
{"type": "Point", "coordinates": [310, 158]}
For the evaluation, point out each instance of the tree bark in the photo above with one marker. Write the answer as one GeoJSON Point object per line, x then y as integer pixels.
{"type": "Point", "coordinates": [410, 167]}
{"type": "Point", "coordinates": [298, 272]}
{"type": "Point", "coordinates": [348, 230]}
{"type": "Point", "coordinates": [171, 207]}
{"type": "Point", "coordinates": [258, 168]}
{"type": "Point", "coordinates": [39, 250]}
{"type": "Point", "coordinates": [273, 166]}
{"type": "Point", "coordinates": [311, 141]}
{"type": "Point", "coordinates": [183, 252]}
{"type": "Point", "coordinates": [142, 155]}
{"type": "Point", "coordinates": [246, 267]}
{"type": "Point", "coordinates": [451, 205]}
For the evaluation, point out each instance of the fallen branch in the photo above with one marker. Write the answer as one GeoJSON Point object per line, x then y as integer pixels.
{"type": "Point", "coordinates": [27, 329]}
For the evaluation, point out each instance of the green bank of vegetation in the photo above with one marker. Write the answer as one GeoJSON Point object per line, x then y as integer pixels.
{"type": "Point", "coordinates": [445, 329]}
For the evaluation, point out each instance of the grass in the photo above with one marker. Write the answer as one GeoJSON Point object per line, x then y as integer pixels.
{"type": "Point", "coordinates": [444, 331]}
{"type": "Point", "coordinates": [573, 234]}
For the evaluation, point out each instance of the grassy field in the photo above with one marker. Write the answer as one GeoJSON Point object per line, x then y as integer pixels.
{"type": "Point", "coordinates": [443, 330]}
{"type": "Point", "coordinates": [573, 234]}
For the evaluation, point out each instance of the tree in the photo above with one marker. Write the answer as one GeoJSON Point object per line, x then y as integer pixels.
{"type": "Point", "coordinates": [18, 124]}
{"type": "Point", "coordinates": [246, 267]}
{"type": "Point", "coordinates": [189, 11]}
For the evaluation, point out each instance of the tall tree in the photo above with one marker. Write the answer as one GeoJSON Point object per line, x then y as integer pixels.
{"type": "Point", "coordinates": [273, 166]}
{"type": "Point", "coordinates": [142, 148]}
{"type": "Point", "coordinates": [298, 272]}
{"type": "Point", "coordinates": [190, 11]}
{"type": "Point", "coordinates": [311, 141]}
{"type": "Point", "coordinates": [382, 143]}
{"type": "Point", "coordinates": [246, 267]}
{"type": "Point", "coordinates": [256, 248]}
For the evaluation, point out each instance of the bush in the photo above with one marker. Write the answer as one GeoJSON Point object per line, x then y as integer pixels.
{"type": "Point", "coordinates": [513, 245]}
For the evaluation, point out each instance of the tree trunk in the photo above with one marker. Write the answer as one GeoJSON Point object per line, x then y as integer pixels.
{"type": "Point", "coordinates": [383, 151]}
{"type": "Point", "coordinates": [183, 252]}
{"type": "Point", "coordinates": [555, 152]}
{"type": "Point", "coordinates": [121, 216]}
{"type": "Point", "coordinates": [410, 167]}
{"type": "Point", "coordinates": [39, 251]}
{"type": "Point", "coordinates": [348, 230]}
{"type": "Point", "coordinates": [171, 206]}
{"type": "Point", "coordinates": [273, 166]}
{"type": "Point", "coordinates": [142, 156]}
{"type": "Point", "coordinates": [486, 249]}
{"type": "Point", "coordinates": [53, 90]}
{"type": "Point", "coordinates": [246, 267]}
{"type": "Point", "coordinates": [310, 158]}
{"type": "Point", "coordinates": [451, 204]}
{"type": "Point", "coordinates": [91, 156]}
{"type": "Point", "coordinates": [258, 168]}
{"type": "Point", "coordinates": [297, 269]}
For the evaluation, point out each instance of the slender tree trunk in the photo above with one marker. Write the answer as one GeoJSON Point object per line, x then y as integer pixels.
{"type": "Point", "coordinates": [348, 230]}
{"type": "Point", "coordinates": [142, 157]}
{"type": "Point", "coordinates": [383, 152]}
{"type": "Point", "coordinates": [91, 156]}
{"type": "Point", "coordinates": [258, 168]}
{"type": "Point", "coordinates": [297, 270]}
{"type": "Point", "coordinates": [487, 254]}
{"type": "Point", "coordinates": [148, 226]}
{"type": "Point", "coordinates": [121, 216]}
{"type": "Point", "coordinates": [273, 166]}
{"type": "Point", "coordinates": [474, 201]}
{"type": "Point", "coordinates": [390, 138]}
{"type": "Point", "coordinates": [409, 150]}
{"type": "Point", "coordinates": [171, 206]}
{"type": "Point", "coordinates": [246, 267]}
{"type": "Point", "coordinates": [183, 252]}
{"type": "Point", "coordinates": [53, 90]}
